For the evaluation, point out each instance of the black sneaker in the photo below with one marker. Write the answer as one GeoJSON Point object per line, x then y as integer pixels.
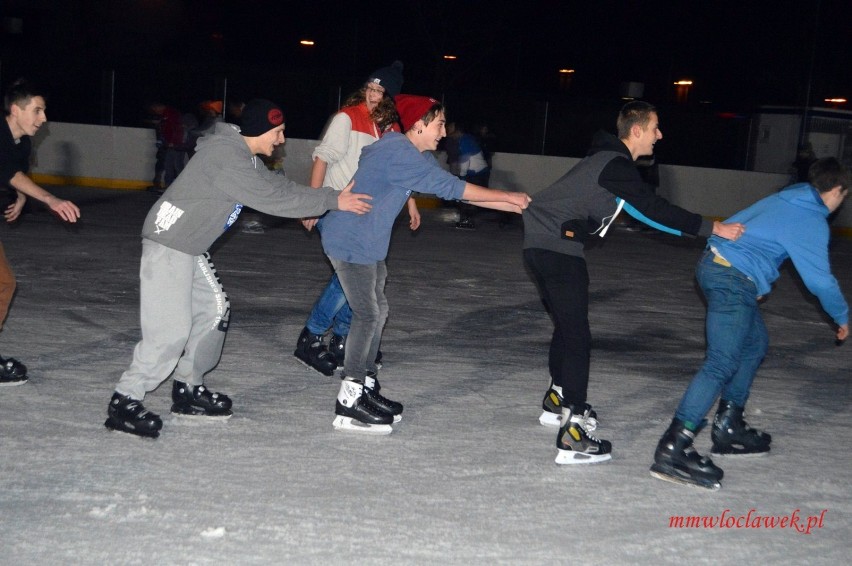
{"type": "Point", "coordinates": [312, 353]}
{"type": "Point", "coordinates": [198, 401]}
{"type": "Point", "coordinates": [12, 372]}
{"type": "Point", "coordinates": [129, 415]}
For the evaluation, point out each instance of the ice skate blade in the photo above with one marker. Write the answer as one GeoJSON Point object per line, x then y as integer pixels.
{"type": "Point", "coordinates": [117, 427]}
{"type": "Point", "coordinates": [13, 383]}
{"type": "Point", "coordinates": [740, 454]}
{"type": "Point", "coordinates": [199, 415]}
{"type": "Point", "coordinates": [312, 368]}
{"type": "Point", "coordinates": [711, 485]}
{"type": "Point", "coordinates": [348, 424]}
{"type": "Point", "coordinates": [550, 419]}
{"type": "Point", "coordinates": [570, 457]}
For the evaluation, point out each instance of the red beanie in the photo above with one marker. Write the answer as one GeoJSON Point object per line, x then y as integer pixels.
{"type": "Point", "coordinates": [411, 108]}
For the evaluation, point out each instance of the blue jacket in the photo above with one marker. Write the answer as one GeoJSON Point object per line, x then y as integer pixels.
{"type": "Point", "coordinates": [389, 170]}
{"type": "Point", "coordinates": [789, 224]}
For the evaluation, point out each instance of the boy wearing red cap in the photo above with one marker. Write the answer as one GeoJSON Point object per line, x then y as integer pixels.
{"type": "Point", "coordinates": [389, 170]}
{"type": "Point", "coordinates": [365, 117]}
{"type": "Point", "coordinates": [184, 310]}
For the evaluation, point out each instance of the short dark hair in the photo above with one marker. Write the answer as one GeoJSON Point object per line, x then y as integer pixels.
{"type": "Point", "coordinates": [433, 112]}
{"type": "Point", "coordinates": [20, 94]}
{"type": "Point", "coordinates": [635, 112]}
{"type": "Point", "coordinates": [826, 173]}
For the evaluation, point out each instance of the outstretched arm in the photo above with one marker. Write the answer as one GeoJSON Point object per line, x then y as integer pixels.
{"type": "Point", "coordinates": [65, 209]}
{"type": "Point", "coordinates": [496, 199]}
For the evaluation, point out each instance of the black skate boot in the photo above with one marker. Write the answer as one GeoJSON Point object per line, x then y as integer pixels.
{"type": "Point", "coordinates": [12, 372]}
{"type": "Point", "coordinates": [129, 415]}
{"type": "Point", "coordinates": [575, 443]}
{"type": "Point", "coordinates": [337, 346]}
{"type": "Point", "coordinates": [198, 401]}
{"type": "Point", "coordinates": [355, 412]}
{"type": "Point", "coordinates": [311, 351]}
{"type": "Point", "coordinates": [371, 392]}
{"type": "Point", "coordinates": [677, 461]}
{"type": "Point", "coordinates": [732, 436]}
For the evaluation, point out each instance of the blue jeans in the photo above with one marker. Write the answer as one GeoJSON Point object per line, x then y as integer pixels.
{"type": "Point", "coordinates": [736, 340]}
{"type": "Point", "coordinates": [331, 307]}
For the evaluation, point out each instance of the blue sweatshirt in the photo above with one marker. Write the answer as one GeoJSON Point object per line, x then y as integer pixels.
{"type": "Point", "coordinates": [388, 171]}
{"type": "Point", "coordinates": [789, 224]}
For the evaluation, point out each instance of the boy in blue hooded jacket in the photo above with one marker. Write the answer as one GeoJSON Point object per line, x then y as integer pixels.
{"type": "Point", "coordinates": [734, 277]}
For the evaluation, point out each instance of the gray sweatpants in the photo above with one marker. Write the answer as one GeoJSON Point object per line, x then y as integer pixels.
{"type": "Point", "coordinates": [184, 314]}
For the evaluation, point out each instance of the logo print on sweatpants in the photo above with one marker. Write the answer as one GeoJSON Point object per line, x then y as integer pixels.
{"type": "Point", "coordinates": [166, 216]}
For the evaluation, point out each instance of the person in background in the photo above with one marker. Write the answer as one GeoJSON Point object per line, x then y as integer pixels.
{"type": "Point", "coordinates": [366, 116]}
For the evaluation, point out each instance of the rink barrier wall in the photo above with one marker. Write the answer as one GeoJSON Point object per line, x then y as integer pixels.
{"type": "Point", "coordinates": [123, 158]}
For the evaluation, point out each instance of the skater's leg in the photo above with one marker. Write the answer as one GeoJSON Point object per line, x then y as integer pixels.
{"type": "Point", "coordinates": [165, 293]}
{"type": "Point", "coordinates": [359, 282]}
{"type": "Point", "coordinates": [731, 314]}
{"type": "Point", "coordinates": [210, 316]}
{"type": "Point", "coordinates": [326, 307]}
{"type": "Point", "coordinates": [7, 286]}
{"type": "Point", "coordinates": [756, 344]}
{"type": "Point", "coordinates": [563, 282]}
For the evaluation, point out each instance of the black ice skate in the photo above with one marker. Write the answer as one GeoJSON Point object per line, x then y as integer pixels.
{"type": "Point", "coordinates": [733, 437]}
{"type": "Point", "coordinates": [337, 347]}
{"type": "Point", "coordinates": [575, 443]}
{"type": "Point", "coordinates": [129, 415]}
{"type": "Point", "coordinates": [677, 461]}
{"type": "Point", "coordinates": [198, 401]}
{"type": "Point", "coordinates": [355, 412]}
{"type": "Point", "coordinates": [312, 353]}
{"type": "Point", "coordinates": [371, 392]}
{"type": "Point", "coordinates": [12, 372]}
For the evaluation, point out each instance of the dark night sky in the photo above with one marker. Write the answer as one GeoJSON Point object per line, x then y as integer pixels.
{"type": "Point", "coordinates": [739, 53]}
{"type": "Point", "coordinates": [106, 59]}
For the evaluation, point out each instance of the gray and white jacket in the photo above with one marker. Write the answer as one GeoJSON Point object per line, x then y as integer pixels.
{"type": "Point", "coordinates": [222, 177]}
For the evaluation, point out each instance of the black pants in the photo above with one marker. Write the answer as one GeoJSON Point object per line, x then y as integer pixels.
{"type": "Point", "coordinates": [563, 282]}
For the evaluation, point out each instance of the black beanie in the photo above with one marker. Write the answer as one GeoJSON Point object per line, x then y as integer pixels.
{"type": "Point", "coordinates": [260, 116]}
{"type": "Point", "coordinates": [388, 77]}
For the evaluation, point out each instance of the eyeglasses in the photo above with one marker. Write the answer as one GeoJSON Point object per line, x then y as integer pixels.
{"type": "Point", "coordinates": [374, 89]}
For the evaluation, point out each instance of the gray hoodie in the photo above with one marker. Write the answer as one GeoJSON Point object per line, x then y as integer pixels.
{"type": "Point", "coordinates": [221, 178]}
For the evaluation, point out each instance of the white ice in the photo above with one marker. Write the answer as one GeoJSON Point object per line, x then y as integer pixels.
{"type": "Point", "coordinates": [468, 477]}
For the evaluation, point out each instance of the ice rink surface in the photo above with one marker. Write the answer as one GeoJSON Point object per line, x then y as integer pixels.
{"type": "Point", "coordinates": [468, 476]}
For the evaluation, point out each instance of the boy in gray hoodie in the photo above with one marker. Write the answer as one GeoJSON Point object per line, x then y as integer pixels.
{"type": "Point", "coordinates": [183, 309]}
